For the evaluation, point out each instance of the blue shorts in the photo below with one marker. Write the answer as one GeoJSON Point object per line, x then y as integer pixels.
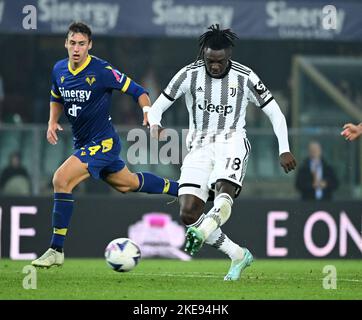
{"type": "Point", "coordinates": [102, 157]}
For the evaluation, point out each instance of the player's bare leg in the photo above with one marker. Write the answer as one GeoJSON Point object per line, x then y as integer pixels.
{"type": "Point", "coordinates": [70, 174]}
{"type": "Point", "coordinates": [65, 179]}
{"type": "Point", "coordinates": [191, 209]}
{"type": "Point", "coordinates": [208, 231]}
{"type": "Point", "coordinates": [123, 181]}
{"type": "Point", "coordinates": [215, 218]}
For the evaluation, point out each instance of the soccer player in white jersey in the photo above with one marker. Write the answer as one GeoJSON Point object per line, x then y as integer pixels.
{"type": "Point", "coordinates": [217, 91]}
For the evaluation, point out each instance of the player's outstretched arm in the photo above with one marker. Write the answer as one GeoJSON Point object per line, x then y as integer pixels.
{"type": "Point", "coordinates": [351, 131]}
{"type": "Point", "coordinates": [155, 115]}
{"type": "Point", "coordinates": [145, 103]}
{"type": "Point", "coordinates": [276, 117]}
{"type": "Point", "coordinates": [174, 90]}
{"type": "Point", "coordinates": [56, 110]}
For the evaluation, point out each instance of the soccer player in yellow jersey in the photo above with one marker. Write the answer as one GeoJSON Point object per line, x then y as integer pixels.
{"type": "Point", "coordinates": [82, 88]}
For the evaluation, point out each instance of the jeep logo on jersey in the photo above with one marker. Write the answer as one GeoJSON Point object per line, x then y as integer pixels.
{"type": "Point", "coordinates": [73, 110]}
{"type": "Point", "coordinates": [220, 109]}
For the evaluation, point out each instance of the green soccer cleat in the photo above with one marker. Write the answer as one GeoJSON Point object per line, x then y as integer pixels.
{"type": "Point", "coordinates": [194, 240]}
{"type": "Point", "coordinates": [50, 258]}
{"type": "Point", "coordinates": [237, 266]}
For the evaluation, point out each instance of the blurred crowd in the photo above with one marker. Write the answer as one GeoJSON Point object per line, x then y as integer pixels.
{"type": "Point", "coordinates": [24, 92]}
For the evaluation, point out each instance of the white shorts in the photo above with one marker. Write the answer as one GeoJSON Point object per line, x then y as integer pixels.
{"type": "Point", "coordinates": [220, 160]}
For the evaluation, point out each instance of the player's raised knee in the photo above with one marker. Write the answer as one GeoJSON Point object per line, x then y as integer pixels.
{"type": "Point", "coordinates": [60, 183]}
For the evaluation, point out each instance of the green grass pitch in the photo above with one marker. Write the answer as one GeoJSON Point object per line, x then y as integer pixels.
{"type": "Point", "coordinates": [199, 279]}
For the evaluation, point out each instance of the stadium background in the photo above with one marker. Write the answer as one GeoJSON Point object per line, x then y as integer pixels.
{"type": "Point", "coordinates": [313, 73]}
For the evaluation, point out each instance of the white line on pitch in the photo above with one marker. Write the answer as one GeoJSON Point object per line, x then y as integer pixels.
{"type": "Point", "coordinates": [217, 275]}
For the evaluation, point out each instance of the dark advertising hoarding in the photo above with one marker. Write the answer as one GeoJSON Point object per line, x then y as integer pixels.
{"type": "Point", "coordinates": [269, 228]}
{"type": "Point", "coordinates": [308, 19]}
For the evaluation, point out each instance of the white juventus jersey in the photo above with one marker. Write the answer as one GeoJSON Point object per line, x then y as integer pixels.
{"type": "Point", "coordinates": [216, 107]}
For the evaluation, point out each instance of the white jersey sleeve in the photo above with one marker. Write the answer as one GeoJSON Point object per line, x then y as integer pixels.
{"type": "Point", "coordinates": [258, 93]}
{"type": "Point", "coordinates": [279, 123]}
{"type": "Point", "coordinates": [177, 86]}
{"type": "Point", "coordinates": [174, 90]}
{"type": "Point", "coordinates": [158, 108]}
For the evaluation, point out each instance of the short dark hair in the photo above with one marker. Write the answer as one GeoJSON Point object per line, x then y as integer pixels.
{"type": "Point", "coordinates": [216, 39]}
{"type": "Point", "coordinates": [80, 27]}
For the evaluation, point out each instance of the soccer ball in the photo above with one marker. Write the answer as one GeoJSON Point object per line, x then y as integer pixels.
{"type": "Point", "coordinates": [122, 254]}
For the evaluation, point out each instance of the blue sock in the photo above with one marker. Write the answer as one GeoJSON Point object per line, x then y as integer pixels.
{"type": "Point", "coordinates": [151, 183]}
{"type": "Point", "coordinates": [62, 212]}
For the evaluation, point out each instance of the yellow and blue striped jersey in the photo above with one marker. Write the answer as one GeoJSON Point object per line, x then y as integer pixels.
{"type": "Point", "coordinates": [86, 96]}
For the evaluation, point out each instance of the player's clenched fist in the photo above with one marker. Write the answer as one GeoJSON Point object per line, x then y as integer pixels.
{"type": "Point", "coordinates": [287, 161]}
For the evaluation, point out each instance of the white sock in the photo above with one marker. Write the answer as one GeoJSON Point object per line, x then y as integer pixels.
{"type": "Point", "coordinates": [218, 215]}
{"type": "Point", "coordinates": [221, 241]}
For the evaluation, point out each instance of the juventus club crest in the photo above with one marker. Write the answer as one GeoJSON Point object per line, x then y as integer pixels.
{"type": "Point", "coordinates": [233, 91]}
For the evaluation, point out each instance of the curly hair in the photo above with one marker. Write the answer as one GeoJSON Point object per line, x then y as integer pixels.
{"type": "Point", "coordinates": [216, 39]}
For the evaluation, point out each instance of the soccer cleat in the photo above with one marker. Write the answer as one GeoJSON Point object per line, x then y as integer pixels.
{"type": "Point", "coordinates": [50, 258]}
{"type": "Point", "coordinates": [237, 266]}
{"type": "Point", "coordinates": [194, 240]}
